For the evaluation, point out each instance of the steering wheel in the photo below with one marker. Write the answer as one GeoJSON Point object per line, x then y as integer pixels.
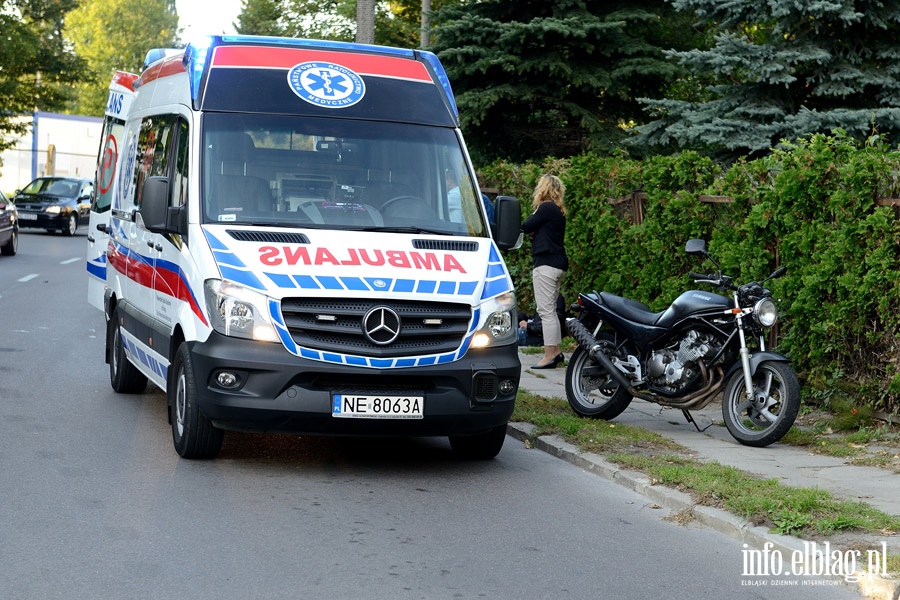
{"type": "Point", "coordinates": [413, 201]}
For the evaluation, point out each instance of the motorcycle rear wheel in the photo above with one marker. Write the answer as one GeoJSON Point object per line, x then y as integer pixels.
{"type": "Point", "coordinates": [590, 389]}
{"type": "Point", "coordinates": [765, 418]}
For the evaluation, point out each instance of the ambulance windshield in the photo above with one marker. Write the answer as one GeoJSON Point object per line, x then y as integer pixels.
{"type": "Point", "coordinates": [336, 174]}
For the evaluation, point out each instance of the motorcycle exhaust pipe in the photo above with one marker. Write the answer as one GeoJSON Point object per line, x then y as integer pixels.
{"type": "Point", "coordinates": [588, 342]}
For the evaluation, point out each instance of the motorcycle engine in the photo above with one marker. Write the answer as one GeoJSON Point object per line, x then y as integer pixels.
{"type": "Point", "coordinates": [672, 367]}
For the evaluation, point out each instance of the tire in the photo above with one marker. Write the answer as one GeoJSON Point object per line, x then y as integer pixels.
{"type": "Point", "coordinates": [71, 225]}
{"type": "Point", "coordinates": [772, 412]}
{"type": "Point", "coordinates": [482, 446]}
{"type": "Point", "coordinates": [123, 376]}
{"type": "Point", "coordinates": [590, 389]}
{"type": "Point", "coordinates": [12, 246]}
{"type": "Point", "coordinates": [193, 435]}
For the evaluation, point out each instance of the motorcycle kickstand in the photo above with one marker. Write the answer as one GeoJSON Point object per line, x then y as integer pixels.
{"type": "Point", "coordinates": [690, 419]}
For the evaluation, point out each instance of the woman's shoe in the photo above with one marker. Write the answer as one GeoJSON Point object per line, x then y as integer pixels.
{"type": "Point", "coordinates": [552, 364]}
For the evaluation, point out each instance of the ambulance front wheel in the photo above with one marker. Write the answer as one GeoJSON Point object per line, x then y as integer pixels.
{"type": "Point", "coordinates": [482, 446]}
{"type": "Point", "coordinates": [193, 435]}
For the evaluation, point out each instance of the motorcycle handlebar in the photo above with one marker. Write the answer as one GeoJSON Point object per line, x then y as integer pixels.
{"type": "Point", "coordinates": [721, 281]}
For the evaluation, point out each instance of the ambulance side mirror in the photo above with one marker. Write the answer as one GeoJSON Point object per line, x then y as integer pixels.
{"type": "Point", "coordinates": [508, 215]}
{"type": "Point", "coordinates": [155, 211]}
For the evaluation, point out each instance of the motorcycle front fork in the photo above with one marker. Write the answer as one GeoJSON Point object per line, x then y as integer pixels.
{"type": "Point", "coordinates": [744, 351]}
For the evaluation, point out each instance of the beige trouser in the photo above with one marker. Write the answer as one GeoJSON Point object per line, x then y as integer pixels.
{"type": "Point", "coordinates": [547, 281]}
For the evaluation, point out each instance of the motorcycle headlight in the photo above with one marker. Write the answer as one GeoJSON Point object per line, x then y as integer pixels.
{"type": "Point", "coordinates": [499, 325]}
{"type": "Point", "coordinates": [765, 313]}
{"type": "Point", "coordinates": [238, 311]}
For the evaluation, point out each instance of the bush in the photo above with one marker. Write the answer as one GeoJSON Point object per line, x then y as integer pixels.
{"type": "Point", "coordinates": [810, 206]}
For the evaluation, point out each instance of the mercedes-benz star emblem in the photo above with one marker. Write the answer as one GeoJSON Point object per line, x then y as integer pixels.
{"type": "Point", "coordinates": [381, 325]}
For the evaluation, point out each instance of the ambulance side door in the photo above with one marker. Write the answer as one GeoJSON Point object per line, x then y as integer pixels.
{"type": "Point", "coordinates": [104, 188]}
{"type": "Point", "coordinates": [155, 146]}
{"type": "Point", "coordinates": [172, 261]}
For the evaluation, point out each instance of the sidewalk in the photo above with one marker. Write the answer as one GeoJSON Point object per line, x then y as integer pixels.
{"type": "Point", "coordinates": [790, 465]}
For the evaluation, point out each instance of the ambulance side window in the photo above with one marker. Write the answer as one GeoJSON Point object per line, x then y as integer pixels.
{"type": "Point", "coordinates": [153, 149]}
{"type": "Point", "coordinates": [180, 179]}
{"type": "Point", "coordinates": [107, 160]}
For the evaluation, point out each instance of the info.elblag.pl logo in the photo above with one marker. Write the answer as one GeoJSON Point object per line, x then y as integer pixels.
{"type": "Point", "coordinates": [814, 564]}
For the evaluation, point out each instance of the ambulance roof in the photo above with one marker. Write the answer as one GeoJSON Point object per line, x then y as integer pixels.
{"type": "Point", "coordinates": [313, 78]}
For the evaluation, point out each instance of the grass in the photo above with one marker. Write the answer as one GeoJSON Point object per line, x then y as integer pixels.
{"type": "Point", "coordinates": [849, 432]}
{"type": "Point", "coordinates": [802, 512]}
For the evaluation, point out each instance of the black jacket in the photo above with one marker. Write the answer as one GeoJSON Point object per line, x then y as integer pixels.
{"type": "Point", "coordinates": [548, 226]}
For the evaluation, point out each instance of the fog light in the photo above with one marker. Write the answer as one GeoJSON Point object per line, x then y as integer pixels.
{"type": "Point", "coordinates": [507, 386]}
{"type": "Point", "coordinates": [226, 379]}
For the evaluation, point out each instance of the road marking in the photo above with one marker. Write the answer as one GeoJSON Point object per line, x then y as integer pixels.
{"type": "Point", "coordinates": [28, 278]}
{"type": "Point", "coordinates": [71, 260]}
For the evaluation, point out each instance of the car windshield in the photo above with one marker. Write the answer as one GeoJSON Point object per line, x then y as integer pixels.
{"type": "Point", "coordinates": [53, 186]}
{"type": "Point", "coordinates": [336, 173]}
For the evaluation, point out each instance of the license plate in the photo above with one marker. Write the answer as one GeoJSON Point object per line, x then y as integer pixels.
{"type": "Point", "coordinates": [376, 406]}
{"type": "Point", "coordinates": [27, 217]}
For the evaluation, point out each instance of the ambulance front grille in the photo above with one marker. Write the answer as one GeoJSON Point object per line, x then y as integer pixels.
{"type": "Point", "coordinates": [336, 325]}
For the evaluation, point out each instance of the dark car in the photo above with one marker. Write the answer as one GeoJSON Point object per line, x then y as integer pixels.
{"type": "Point", "coordinates": [9, 227]}
{"type": "Point", "coordinates": [55, 203]}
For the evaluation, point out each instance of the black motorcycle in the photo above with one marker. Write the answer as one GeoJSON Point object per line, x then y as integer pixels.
{"type": "Point", "coordinates": [685, 356]}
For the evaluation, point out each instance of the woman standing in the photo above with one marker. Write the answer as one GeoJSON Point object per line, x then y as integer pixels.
{"type": "Point", "coordinates": [547, 228]}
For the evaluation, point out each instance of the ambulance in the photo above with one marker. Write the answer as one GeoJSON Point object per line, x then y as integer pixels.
{"type": "Point", "coordinates": [294, 241]}
{"type": "Point", "coordinates": [121, 93]}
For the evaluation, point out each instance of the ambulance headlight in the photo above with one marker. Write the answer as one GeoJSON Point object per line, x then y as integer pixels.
{"type": "Point", "coordinates": [238, 311]}
{"type": "Point", "coordinates": [499, 325]}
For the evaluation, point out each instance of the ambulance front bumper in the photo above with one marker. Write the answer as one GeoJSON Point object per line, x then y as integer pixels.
{"type": "Point", "coordinates": [260, 387]}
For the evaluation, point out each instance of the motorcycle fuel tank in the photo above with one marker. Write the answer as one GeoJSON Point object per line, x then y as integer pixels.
{"type": "Point", "coordinates": [691, 302]}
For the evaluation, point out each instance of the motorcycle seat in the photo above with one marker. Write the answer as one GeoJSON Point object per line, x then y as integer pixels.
{"type": "Point", "coordinates": [630, 309]}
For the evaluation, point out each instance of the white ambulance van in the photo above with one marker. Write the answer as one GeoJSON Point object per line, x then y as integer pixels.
{"type": "Point", "coordinates": [121, 93]}
{"type": "Point", "coordinates": [297, 244]}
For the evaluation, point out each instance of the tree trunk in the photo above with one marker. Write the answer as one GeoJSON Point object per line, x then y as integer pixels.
{"type": "Point", "coordinates": [425, 38]}
{"type": "Point", "coordinates": [365, 21]}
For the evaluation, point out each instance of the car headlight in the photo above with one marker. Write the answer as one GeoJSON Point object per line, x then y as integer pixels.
{"type": "Point", "coordinates": [499, 325]}
{"type": "Point", "coordinates": [765, 312]}
{"type": "Point", "coordinates": [53, 210]}
{"type": "Point", "coordinates": [238, 311]}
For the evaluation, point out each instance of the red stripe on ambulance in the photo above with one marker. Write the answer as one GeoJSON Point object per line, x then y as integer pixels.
{"type": "Point", "coordinates": [286, 58]}
{"type": "Point", "coordinates": [164, 68]}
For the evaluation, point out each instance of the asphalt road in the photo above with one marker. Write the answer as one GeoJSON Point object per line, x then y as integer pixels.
{"type": "Point", "coordinates": [94, 502]}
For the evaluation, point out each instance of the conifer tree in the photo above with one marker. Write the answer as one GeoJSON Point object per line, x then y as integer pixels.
{"type": "Point", "coordinates": [534, 78]}
{"type": "Point", "coordinates": [783, 70]}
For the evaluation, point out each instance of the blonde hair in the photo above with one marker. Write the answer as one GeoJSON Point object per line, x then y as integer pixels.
{"type": "Point", "coordinates": [550, 188]}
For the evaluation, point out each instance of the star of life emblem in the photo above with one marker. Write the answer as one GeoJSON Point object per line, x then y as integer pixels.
{"type": "Point", "coordinates": [326, 84]}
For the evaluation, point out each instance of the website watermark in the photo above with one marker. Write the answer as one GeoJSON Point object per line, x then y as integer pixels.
{"type": "Point", "coordinates": [814, 564]}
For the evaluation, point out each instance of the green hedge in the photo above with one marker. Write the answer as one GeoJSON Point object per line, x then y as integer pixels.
{"type": "Point", "coordinates": [810, 206]}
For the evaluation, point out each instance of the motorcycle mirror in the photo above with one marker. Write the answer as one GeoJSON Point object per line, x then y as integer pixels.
{"type": "Point", "coordinates": [695, 247]}
{"type": "Point", "coordinates": [778, 273]}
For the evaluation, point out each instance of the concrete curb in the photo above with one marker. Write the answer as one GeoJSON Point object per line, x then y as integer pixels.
{"type": "Point", "coordinates": [876, 587]}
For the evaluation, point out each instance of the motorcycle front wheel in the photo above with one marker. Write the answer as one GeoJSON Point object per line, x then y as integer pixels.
{"type": "Point", "coordinates": [770, 413]}
{"type": "Point", "coordinates": [591, 390]}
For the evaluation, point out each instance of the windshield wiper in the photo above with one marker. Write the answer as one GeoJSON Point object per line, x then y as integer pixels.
{"type": "Point", "coordinates": [410, 229]}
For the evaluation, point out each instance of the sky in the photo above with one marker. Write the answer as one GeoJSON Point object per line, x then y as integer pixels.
{"type": "Point", "coordinates": [197, 17]}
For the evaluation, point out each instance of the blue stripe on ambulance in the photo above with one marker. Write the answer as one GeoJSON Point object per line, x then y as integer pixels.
{"type": "Point", "coordinates": [97, 267]}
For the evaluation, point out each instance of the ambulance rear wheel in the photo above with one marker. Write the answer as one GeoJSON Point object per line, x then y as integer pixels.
{"type": "Point", "coordinates": [123, 376]}
{"type": "Point", "coordinates": [193, 435]}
